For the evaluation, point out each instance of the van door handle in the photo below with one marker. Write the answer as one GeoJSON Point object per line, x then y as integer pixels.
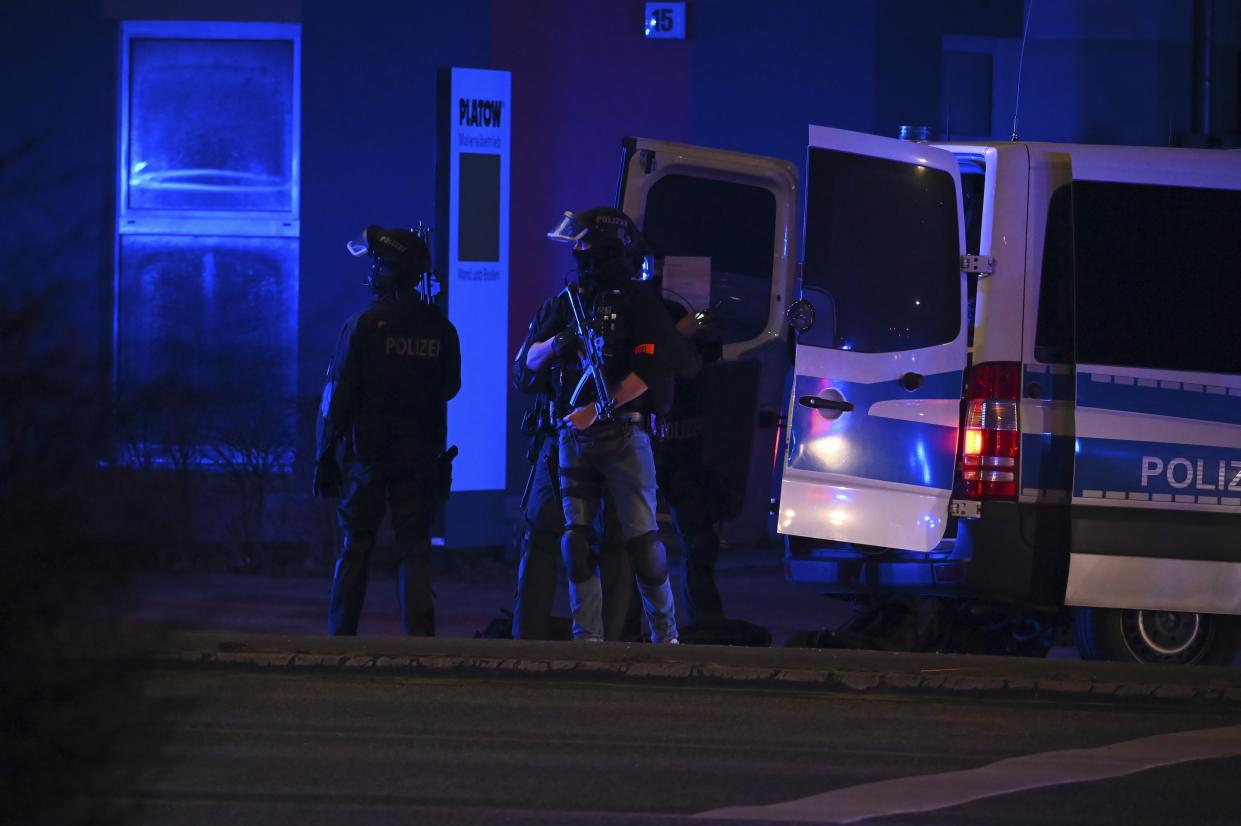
{"type": "Point", "coordinates": [820, 403]}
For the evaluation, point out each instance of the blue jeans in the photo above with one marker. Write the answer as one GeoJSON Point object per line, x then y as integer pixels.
{"type": "Point", "coordinates": [619, 456]}
{"type": "Point", "coordinates": [616, 457]}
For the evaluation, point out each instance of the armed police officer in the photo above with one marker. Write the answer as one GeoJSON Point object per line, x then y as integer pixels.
{"type": "Point", "coordinates": [397, 364]}
{"type": "Point", "coordinates": [631, 356]}
{"type": "Point", "coordinates": [695, 495]}
{"type": "Point", "coordinates": [553, 382]}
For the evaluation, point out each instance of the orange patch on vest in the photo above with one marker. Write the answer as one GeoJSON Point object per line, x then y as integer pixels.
{"type": "Point", "coordinates": [644, 350]}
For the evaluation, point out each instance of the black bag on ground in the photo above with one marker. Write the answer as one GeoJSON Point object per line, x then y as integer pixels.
{"type": "Point", "coordinates": [726, 632]}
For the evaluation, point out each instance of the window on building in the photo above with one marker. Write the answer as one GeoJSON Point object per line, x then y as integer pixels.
{"type": "Point", "coordinates": [207, 240]}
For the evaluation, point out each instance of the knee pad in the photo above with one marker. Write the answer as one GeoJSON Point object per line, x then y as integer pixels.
{"type": "Point", "coordinates": [575, 547]}
{"type": "Point", "coordinates": [650, 560]}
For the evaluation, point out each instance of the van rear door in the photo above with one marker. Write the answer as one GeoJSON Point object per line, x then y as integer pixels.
{"type": "Point", "coordinates": [723, 227]}
{"type": "Point", "coordinates": [730, 215]}
{"type": "Point", "coordinates": [876, 401]}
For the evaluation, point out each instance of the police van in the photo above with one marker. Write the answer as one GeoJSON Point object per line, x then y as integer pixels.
{"type": "Point", "coordinates": [1016, 378]}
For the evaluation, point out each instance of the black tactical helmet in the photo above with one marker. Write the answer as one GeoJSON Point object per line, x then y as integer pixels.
{"type": "Point", "coordinates": [400, 249]}
{"type": "Point", "coordinates": [600, 227]}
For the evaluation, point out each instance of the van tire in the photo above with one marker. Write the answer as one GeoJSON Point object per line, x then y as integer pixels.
{"type": "Point", "coordinates": [1163, 637]}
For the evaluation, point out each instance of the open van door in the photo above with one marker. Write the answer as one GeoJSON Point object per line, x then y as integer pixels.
{"type": "Point", "coordinates": [876, 402]}
{"type": "Point", "coordinates": [733, 212]}
{"type": "Point", "coordinates": [722, 225]}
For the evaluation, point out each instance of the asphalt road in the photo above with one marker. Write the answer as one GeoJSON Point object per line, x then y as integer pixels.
{"type": "Point", "coordinates": [236, 746]}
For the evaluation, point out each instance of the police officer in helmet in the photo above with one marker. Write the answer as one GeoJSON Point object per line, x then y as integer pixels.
{"type": "Point", "coordinates": [397, 364]}
{"type": "Point", "coordinates": [538, 569]}
{"type": "Point", "coordinates": [600, 448]}
{"type": "Point", "coordinates": [695, 493]}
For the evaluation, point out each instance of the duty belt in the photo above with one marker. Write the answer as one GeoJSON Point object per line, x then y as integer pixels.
{"type": "Point", "coordinates": [627, 416]}
{"type": "Point", "coordinates": [624, 417]}
{"type": "Point", "coordinates": [675, 430]}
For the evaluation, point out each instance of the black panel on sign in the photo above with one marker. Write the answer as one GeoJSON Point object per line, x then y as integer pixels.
{"type": "Point", "coordinates": [478, 208]}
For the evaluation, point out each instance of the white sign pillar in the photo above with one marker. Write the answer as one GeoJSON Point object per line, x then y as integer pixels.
{"type": "Point", "coordinates": [479, 126]}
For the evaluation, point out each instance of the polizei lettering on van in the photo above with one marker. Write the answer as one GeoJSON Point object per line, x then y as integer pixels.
{"type": "Point", "coordinates": [423, 348]}
{"type": "Point", "coordinates": [1199, 474]}
{"type": "Point", "coordinates": [472, 112]}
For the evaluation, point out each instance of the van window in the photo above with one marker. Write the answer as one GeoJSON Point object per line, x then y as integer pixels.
{"type": "Point", "coordinates": [734, 225]}
{"type": "Point", "coordinates": [1053, 334]}
{"type": "Point", "coordinates": [973, 184]}
{"type": "Point", "coordinates": [1158, 276]}
{"type": "Point", "coordinates": [882, 248]}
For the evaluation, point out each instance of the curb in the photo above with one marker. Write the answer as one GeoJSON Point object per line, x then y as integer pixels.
{"type": "Point", "coordinates": [840, 672]}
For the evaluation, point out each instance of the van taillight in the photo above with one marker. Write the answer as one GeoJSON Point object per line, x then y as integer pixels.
{"type": "Point", "coordinates": [991, 442]}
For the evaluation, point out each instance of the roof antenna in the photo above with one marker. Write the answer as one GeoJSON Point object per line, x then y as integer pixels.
{"type": "Point", "coordinates": [1025, 33]}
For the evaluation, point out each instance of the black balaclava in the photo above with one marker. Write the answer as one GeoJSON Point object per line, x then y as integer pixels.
{"type": "Point", "coordinates": [390, 280]}
{"type": "Point", "coordinates": [602, 268]}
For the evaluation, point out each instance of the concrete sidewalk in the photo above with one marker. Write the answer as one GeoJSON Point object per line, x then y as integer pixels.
{"type": "Point", "coordinates": [764, 668]}
{"type": "Point", "coordinates": [473, 591]}
{"type": "Point", "coordinates": [260, 622]}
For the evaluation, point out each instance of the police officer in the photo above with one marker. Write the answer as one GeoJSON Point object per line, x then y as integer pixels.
{"type": "Point", "coordinates": [600, 448]}
{"type": "Point", "coordinates": [693, 491]}
{"type": "Point", "coordinates": [538, 569]}
{"type": "Point", "coordinates": [397, 364]}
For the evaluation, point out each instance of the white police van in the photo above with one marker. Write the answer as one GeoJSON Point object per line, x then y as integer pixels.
{"type": "Point", "coordinates": [1017, 382]}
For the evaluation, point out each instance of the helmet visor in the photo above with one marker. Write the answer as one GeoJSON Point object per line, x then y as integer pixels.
{"type": "Point", "coordinates": [362, 244]}
{"type": "Point", "coordinates": [568, 230]}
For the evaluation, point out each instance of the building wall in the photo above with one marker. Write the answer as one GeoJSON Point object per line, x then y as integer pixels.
{"type": "Point", "coordinates": [368, 140]}
{"type": "Point", "coordinates": [584, 77]}
{"type": "Point", "coordinates": [58, 167]}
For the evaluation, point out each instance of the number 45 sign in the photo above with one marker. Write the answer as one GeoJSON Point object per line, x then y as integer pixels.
{"type": "Point", "coordinates": [665, 20]}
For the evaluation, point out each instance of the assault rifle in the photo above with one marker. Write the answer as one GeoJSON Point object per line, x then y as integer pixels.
{"type": "Point", "coordinates": [428, 282]}
{"type": "Point", "coordinates": [592, 360]}
{"type": "Point", "coordinates": [534, 424]}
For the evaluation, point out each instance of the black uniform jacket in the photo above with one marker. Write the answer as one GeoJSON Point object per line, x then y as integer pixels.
{"type": "Point", "coordinates": [397, 364]}
{"type": "Point", "coordinates": [638, 336]}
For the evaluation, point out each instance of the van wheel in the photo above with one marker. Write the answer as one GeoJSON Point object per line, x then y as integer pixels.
{"type": "Point", "coordinates": [1165, 637]}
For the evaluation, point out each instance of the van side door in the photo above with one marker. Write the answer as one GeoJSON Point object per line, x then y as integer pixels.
{"type": "Point", "coordinates": [1156, 504]}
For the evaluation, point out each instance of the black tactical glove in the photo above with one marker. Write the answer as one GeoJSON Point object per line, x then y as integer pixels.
{"type": "Point", "coordinates": [565, 345]}
{"type": "Point", "coordinates": [327, 478]}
